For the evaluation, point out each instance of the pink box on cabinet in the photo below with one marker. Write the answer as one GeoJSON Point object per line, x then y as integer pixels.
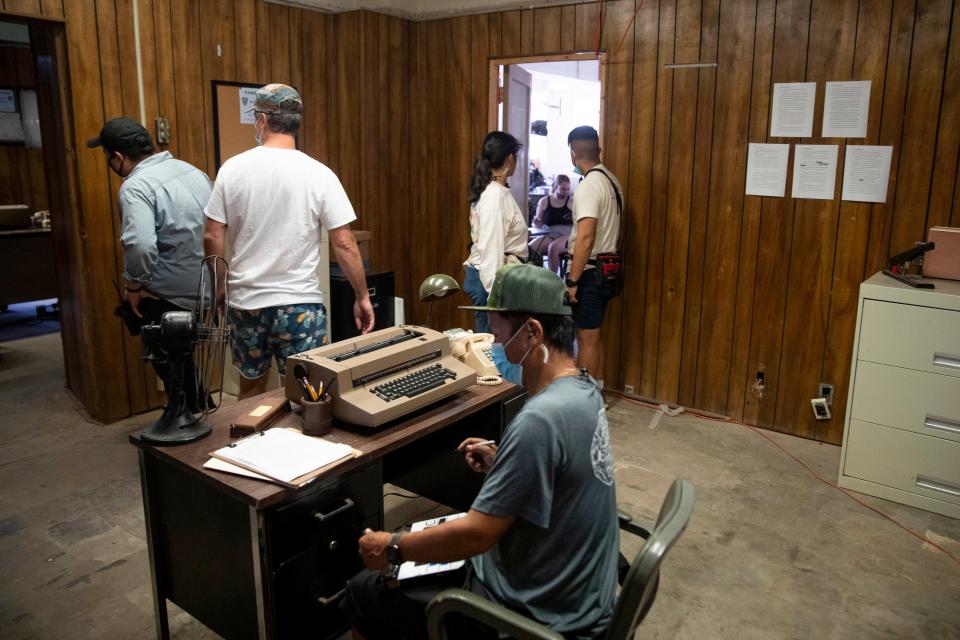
{"type": "Point", "coordinates": [944, 260]}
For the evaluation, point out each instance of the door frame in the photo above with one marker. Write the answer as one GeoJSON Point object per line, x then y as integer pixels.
{"type": "Point", "coordinates": [48, 39]}
{"type": "Point", "coordinates": [493, 93]}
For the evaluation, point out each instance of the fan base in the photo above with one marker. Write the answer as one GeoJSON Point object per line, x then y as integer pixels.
{"type": "Point", "coordinates": [175, 427]}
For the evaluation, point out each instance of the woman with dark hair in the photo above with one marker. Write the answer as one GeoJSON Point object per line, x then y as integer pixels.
{"type": "Point", "coordinates": [555, 217]}
{"type": "Point", "coordinates": [498, 230]}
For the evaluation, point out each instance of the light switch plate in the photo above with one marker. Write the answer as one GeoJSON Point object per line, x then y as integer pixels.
{"type": "Point", "coordinates": [821, 409]}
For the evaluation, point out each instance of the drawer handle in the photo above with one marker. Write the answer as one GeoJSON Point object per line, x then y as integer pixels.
{"type": "Point", "coordinates": [943, 360]}
{"type": "Point", "coordinates": [942, 424]}
{"type": "Point", "coordinates": [926, 482]}
{"type": "Point", "coordinates": [323, 517]}
{"type": "Point", "coordinates": [325, 601]}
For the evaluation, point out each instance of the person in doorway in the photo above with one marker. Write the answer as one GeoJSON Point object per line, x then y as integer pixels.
{"type": "Point", "coordinates": [498, 229]}
{"type": "Point", "coordinates": [542, 536]}
{"type": "Point", "coordinates": [161, 202]}
{"type": "Point", "coordinates": [555, 218]}
{"type": "Point", "coordinates": [597, 207]}
{"type": "Point", "coordinates": [272, 202]}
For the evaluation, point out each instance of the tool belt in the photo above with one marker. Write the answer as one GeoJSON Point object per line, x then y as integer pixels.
{"type": "Point", "coordinates": [609, 268]}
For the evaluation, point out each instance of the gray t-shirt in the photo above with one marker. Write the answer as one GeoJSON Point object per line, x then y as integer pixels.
{"type": "Point", "coordinates": [554, 472]}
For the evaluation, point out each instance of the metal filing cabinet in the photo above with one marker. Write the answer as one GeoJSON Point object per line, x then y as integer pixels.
{"type": "Point", "coordinates": [380, 286]}
{"type": "Point", "coordinates": [902, 435]}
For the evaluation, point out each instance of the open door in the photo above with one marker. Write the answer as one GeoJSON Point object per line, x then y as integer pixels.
{"type": "Point", "coordinates": [516, 115]}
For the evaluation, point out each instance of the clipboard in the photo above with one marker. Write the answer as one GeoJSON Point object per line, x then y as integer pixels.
{"type": "Point", "coordinates": [246, 454]}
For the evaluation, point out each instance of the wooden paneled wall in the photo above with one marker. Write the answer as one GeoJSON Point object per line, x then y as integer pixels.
{"type": "Point", "coordinates": [719, 285]}
{"type": "Point", "coordinates": [22, 180]}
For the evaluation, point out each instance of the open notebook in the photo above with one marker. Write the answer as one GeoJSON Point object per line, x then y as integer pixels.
{"type": "Point", "coordinates": [283, 455]}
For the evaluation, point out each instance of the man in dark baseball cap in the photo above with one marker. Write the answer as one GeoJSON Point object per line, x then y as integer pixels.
{"type": "Point", "coordinates": [125, 136]}
{"type": "Point", "coordinates": [161, 204]}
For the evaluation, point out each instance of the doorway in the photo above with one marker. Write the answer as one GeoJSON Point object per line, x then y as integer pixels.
{"type": "Point", "coordinates": [538, 100]}
{"type": "Point", "coordinates": [29, 285]}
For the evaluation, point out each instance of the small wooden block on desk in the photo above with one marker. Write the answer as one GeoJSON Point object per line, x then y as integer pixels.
{"type": "Point", "coordinates": [260, 416]}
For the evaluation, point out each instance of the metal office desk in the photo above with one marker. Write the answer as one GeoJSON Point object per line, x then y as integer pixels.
{"type": "Point", "coordinates": [252, 559]}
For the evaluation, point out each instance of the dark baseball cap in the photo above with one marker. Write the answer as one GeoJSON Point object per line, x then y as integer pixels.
{"type": "Point", "coordinates": [122, 134]}
{"type": "Point", "coordinates": [526, 288]}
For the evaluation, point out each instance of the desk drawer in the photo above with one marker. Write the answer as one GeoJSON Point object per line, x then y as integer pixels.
{"type": "Point", "coordinates": [904, 460]}
{"type": "Point", "coordinates": [355, 498]}
{"type": "Point", "coordinates": [309, 586]}
{"type": "Point", "coordinates": [905, 335]}
{"type": "Point", "coordinates": [917, 401]}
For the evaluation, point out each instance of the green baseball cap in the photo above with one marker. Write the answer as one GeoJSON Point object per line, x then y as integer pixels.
{"type": "Point", "coordinates": [526, 288]}
{"type": "Point", "coordinates": [278, 99]}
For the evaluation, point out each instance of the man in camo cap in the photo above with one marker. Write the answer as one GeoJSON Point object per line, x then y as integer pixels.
{"type": "Point", "coordinates": [271, 202]}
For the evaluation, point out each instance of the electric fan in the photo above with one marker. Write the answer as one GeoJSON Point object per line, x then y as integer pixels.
{"type": "Point", "coordinates": [174, 340]}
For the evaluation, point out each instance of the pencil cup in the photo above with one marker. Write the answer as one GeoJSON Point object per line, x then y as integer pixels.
{"type": "Point", "coordinates": [317, 417]}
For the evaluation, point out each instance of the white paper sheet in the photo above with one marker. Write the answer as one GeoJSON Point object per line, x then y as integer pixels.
{"type": "Point", "coordinates": [248, 96]}
{"type": "Point", "coordinates": [767, 169]}
{"type": "Point", "coordinates": [814, 171]}
{"type": "Point", "coordinates": [283, 454]}
{"type": "Point", "coordinates": [846, 106]}
{"type": "Point", "coordinates": [222, 465]}
{"type": "Point", "coordinates": [866, 171]}
{"type": "Point", "coordinates": [792, 115]}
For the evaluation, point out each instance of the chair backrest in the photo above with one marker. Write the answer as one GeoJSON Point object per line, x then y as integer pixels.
{"type": "Point", "coordinates": [639, 587]}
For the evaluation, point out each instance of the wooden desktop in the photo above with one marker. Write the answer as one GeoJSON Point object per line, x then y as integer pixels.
{"type": "Point", "coordinates": [252, 559]}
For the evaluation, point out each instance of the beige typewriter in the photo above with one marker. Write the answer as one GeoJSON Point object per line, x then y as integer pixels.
{"type": "Point", "coordinates": [383, 375]}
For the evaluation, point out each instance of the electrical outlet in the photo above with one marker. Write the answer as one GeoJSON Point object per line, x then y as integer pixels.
{"type": "Point", "coordinates": [163, 131]}
{"type": "Point", "coordinates": [821, 410]}
{"type": "Point", "coordinates": [628, 388]}
{"type": "Point", "coordinates": [825, 391]}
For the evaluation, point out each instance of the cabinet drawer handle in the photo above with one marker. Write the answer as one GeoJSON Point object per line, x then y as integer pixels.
{"type": "Point", "coordinates": [323, 517]}
{"type": "Point", "coordinates": [942, 424]}
{"type": "Point", "coordinates": [943, 360]}
{"type": "Point", "coordinates": [948, 488]}
{"type": "Point", "coordinates": [325, 601]}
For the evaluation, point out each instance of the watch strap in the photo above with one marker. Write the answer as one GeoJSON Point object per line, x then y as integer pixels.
{"type": "Point", "coordinates": [395, 545]}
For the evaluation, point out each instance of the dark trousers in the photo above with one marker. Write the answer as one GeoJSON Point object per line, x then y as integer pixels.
{"type": "Point", "coordinates": [381, 612]}
{"type": "Point", "coordinates": [152, 311]}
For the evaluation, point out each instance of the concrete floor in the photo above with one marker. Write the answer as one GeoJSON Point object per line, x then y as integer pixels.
{"type": "Point", "coordinates": [771, 552]}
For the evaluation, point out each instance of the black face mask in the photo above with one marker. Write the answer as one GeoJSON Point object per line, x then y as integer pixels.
{"type": "Point", "coordinates": [114, 169]}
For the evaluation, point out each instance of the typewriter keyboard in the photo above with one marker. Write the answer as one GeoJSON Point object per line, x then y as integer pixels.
{"type": "Point", "coordinates": [413, 384]}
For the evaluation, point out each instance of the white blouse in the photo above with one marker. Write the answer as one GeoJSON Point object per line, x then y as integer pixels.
{"type": "Point", "coordinates": [498, 231]}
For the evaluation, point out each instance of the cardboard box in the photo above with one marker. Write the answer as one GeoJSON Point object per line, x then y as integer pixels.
{"type": "Point", "coordinates": [944, 260]}
{"type": "Point", "coordinates": [363, 243]}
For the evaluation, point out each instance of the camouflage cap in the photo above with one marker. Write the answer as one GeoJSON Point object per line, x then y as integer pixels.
{"type": "Point", "coordinates": [278, 99]}
{"type": "Point", "coordinates": [526, 288]}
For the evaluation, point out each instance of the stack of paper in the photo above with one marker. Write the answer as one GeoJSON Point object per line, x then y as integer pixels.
{"type": "Point", "coordinates": [282, 455]}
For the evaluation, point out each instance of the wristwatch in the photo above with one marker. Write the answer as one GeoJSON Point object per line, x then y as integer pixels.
{"type": "Point", "coordinates": [571, 282]}
{"type": "Point", "coordinates": [393, 551]}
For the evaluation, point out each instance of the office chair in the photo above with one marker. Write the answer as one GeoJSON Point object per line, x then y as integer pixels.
{"type": "Point", "coordinates": [639, 585]}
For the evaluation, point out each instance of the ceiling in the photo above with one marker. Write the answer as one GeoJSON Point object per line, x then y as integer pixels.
{"type": "Point", "coordinates": [421, 9]}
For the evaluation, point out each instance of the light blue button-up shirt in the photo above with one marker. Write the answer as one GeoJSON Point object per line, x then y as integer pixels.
{"type": "Point", "coordinates": [161, 226]}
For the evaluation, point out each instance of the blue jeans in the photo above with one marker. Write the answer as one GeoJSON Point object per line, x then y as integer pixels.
{"type": "Point", "coordinates": [478, 296]}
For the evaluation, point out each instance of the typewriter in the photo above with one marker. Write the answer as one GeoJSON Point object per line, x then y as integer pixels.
{"type": "Point", "coordinates": [383, 375]}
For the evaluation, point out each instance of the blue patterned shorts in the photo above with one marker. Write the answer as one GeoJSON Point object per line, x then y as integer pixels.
{"type": "Point", "coordinates": [258, 335]}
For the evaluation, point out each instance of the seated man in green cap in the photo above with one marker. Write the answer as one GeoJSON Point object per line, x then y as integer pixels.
{"type": "Point", "coordinates": [541, 537]}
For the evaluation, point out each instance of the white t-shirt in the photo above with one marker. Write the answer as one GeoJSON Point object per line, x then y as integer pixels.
{"type": "Point", "coordinates": [498, 232]}
{"type": "Point", "coordinates": [595, 198]}
{"type": "Point", "coordinates": [274, 203]}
